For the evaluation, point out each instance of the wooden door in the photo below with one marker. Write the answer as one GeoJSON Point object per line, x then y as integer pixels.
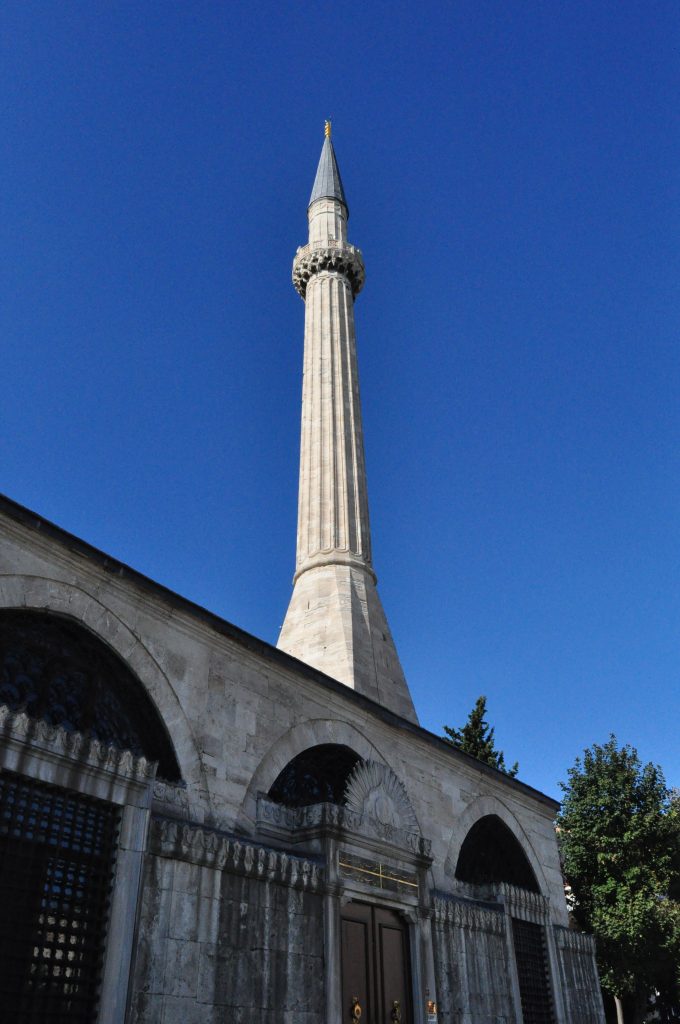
{"type": "Point", "coordinates": [375, 966]}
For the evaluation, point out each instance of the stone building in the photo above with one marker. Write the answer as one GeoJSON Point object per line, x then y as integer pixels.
{"type": "Point", "coordinates": [196, 826]}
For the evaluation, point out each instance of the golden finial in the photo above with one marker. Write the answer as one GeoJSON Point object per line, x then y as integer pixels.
{"type": "Point", "coordinates": [327, 129]}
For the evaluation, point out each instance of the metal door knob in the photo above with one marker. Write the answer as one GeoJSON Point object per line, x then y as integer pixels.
{"type": "Point", "coordinates": [396, 1011]}
{"type": "Point", "coordinates": [356, 1010]}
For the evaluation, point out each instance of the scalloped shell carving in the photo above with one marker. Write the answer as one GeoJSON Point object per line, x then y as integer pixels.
{"type": "Point", "coordinates": [374, 791]}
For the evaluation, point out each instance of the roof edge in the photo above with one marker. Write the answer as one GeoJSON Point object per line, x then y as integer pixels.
{"type": "Point", "coordinates": [33, 521]}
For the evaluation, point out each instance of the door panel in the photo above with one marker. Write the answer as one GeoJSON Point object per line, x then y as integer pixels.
{"type": "Point", "coordinates": [394, 962]}
{"type": "Point", "coordinates": [375, 964]}
{"type": "Point", "coordinates": [357, 956]}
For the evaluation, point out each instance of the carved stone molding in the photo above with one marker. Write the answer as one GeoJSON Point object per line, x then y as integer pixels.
{"type": "Point", "coordinates": [375, 792]}
{"type": "Point", "coordinates": [340, 258]}
{"type": "Point", "coordinates": [519, 902]}
{"type": "Point", "coordinates": [213, 849]}
{"type": "Point", "coordinates": [172, 800]}
{"type": "Point", "coordinates": [334, 818]}
{"type": "Point", "coordinates": [580, 942]}
{"type": "Point", "coordinates": [450, 912]}
{"type": "Point", "coordinates": [74, 746]}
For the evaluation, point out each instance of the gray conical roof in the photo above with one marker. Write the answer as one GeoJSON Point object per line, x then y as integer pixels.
{"type": "Point", "coordinates": [328, 183]}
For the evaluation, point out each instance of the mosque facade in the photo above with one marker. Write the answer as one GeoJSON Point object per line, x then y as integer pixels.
{"type": "Point", "coordinates": [198, 827]}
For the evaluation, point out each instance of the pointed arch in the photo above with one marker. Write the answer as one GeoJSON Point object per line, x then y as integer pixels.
{"type": "Point", "coordinates": [40, 594]}
{"type": "Point", "coordinates": [492, 807]}
{"type": "Point", "coordinates": [295, 741]}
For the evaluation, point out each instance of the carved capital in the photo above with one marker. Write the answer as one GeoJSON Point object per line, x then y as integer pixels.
{"type": "Point", "coordinates": [338, 258]}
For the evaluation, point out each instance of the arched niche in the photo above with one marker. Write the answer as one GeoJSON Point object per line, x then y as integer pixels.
{"type": "Point", "coordinates": [294, 741]}
{"type": "Point", "coordinates": [491, 853]}
{"type": "Point", "coordinates": [55, 669]}
{"type": "Point", "coordinates": [316, 775]}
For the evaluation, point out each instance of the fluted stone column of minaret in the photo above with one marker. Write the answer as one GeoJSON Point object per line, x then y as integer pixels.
{"type": "Point", "coordinates": [335, 620]}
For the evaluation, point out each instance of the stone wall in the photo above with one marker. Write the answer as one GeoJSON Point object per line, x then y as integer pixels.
{"type": "Point", "coordinates": [228, 931]}
{"type": "Point", "coordinates": [237, 711]}
{"type": "Point", "coordinates": [472, 968]}
{"type": "Point", "coordinates": [578, 977]}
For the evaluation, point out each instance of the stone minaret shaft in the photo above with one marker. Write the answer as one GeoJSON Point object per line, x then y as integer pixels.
{"type": "Point", "coordinates": [335, 620]}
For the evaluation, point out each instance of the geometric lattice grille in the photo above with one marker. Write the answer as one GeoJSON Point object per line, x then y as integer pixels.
{"type": "Point", "coordinates": [317, 775]}
{"type": "Point", "coordinates": [57, 852]}
{"type": "Point", "coordinates": [58, 672]}
{"type": "Point", "coordinates": [532, 971]}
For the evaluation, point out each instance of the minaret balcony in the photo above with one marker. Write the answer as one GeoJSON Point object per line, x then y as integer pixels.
{"type": "Point", "coordinates": [330, 255]}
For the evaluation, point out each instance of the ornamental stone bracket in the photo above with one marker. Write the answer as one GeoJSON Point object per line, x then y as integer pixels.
{"type": "Point", "coordinates": [300, 824]}
{"type": "Point", "coordinates": [339, 258]}
{"type": "Point", "coordinates": [213, 849]}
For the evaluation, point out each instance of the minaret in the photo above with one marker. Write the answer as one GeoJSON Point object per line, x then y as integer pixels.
{"type": "Point", "coordinates": [335, 620]}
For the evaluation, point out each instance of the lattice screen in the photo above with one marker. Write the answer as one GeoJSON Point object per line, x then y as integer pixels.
{"type": "Point", "coordinates": [57, 851]}
{"type": "Point", "coordinates": [532, 969]}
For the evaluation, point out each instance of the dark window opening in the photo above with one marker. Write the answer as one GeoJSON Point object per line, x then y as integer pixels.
{"type": "Point", "coordinates": [54, 669]}
{"type": "Point", "coordinates": [57, 852]}
{"type": "Point", "coordinates": [490, 853]}
{"type": "Point", "coordinates": [317, 775]}
{"type": "Point", "coordinates": [532, 972]}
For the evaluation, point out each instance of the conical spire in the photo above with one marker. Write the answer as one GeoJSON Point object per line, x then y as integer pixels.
{"type": "Point", "coordinates": [328, 183]}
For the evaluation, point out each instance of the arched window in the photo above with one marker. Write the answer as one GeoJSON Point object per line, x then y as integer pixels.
{"type": "Point", "coordinates": [54, 669]}
{"type": "Point", "coordinates": [490, 853]}
{"type": "Point", "coordinates": [317, 775]}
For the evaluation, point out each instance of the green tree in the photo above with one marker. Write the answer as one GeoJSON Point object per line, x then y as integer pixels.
{"type": "Point", "coordinates": [476, 738]}
{"type": "Point", "coordinates": [618, 832]}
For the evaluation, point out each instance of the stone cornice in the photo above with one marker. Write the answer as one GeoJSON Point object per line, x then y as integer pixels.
{"type": "Point", "coordinates": [336, 257]}
{"type": "Point", "coordinates": [451, 912]}
{"type": "Point", "coordinates": [86, 751]}
{"type": "Point", "coordinates": [210, 848]}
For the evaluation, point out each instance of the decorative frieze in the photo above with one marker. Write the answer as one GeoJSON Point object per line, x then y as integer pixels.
{"type": "Point", "coordinates": [75, 746]}
{"type": "Point", "coordinates": [210, 848]}
{"type": "Point", "coordinates": [450, 912]}
{"type": "Point", "coordinates": [580, 942]}
{"type": "Point", "coordinates": [332, 817]}
{"type": "Point", "coordinates": [338, 257]}
{"type": "Point", "coordinates": [172, 800]}
{"type": "Point", "coordinates": [520, 902]}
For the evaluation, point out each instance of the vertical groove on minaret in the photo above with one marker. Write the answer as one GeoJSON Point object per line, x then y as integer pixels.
{"type": "Point", "coordinates": [326, 416]}
{"type": "Point", "coordinates": [344, 539]}
{"type": "Point", "coordinates": [336, 541]}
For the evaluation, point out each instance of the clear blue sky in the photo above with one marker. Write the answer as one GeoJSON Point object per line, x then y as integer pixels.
{"type": "Point", "coordinates": [512, 175]}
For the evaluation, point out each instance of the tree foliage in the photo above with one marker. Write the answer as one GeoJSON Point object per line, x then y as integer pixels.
{"type": "Point", "coordinates": [619, 834]}
{"type": "Point", "coordinates": [477, 738]}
